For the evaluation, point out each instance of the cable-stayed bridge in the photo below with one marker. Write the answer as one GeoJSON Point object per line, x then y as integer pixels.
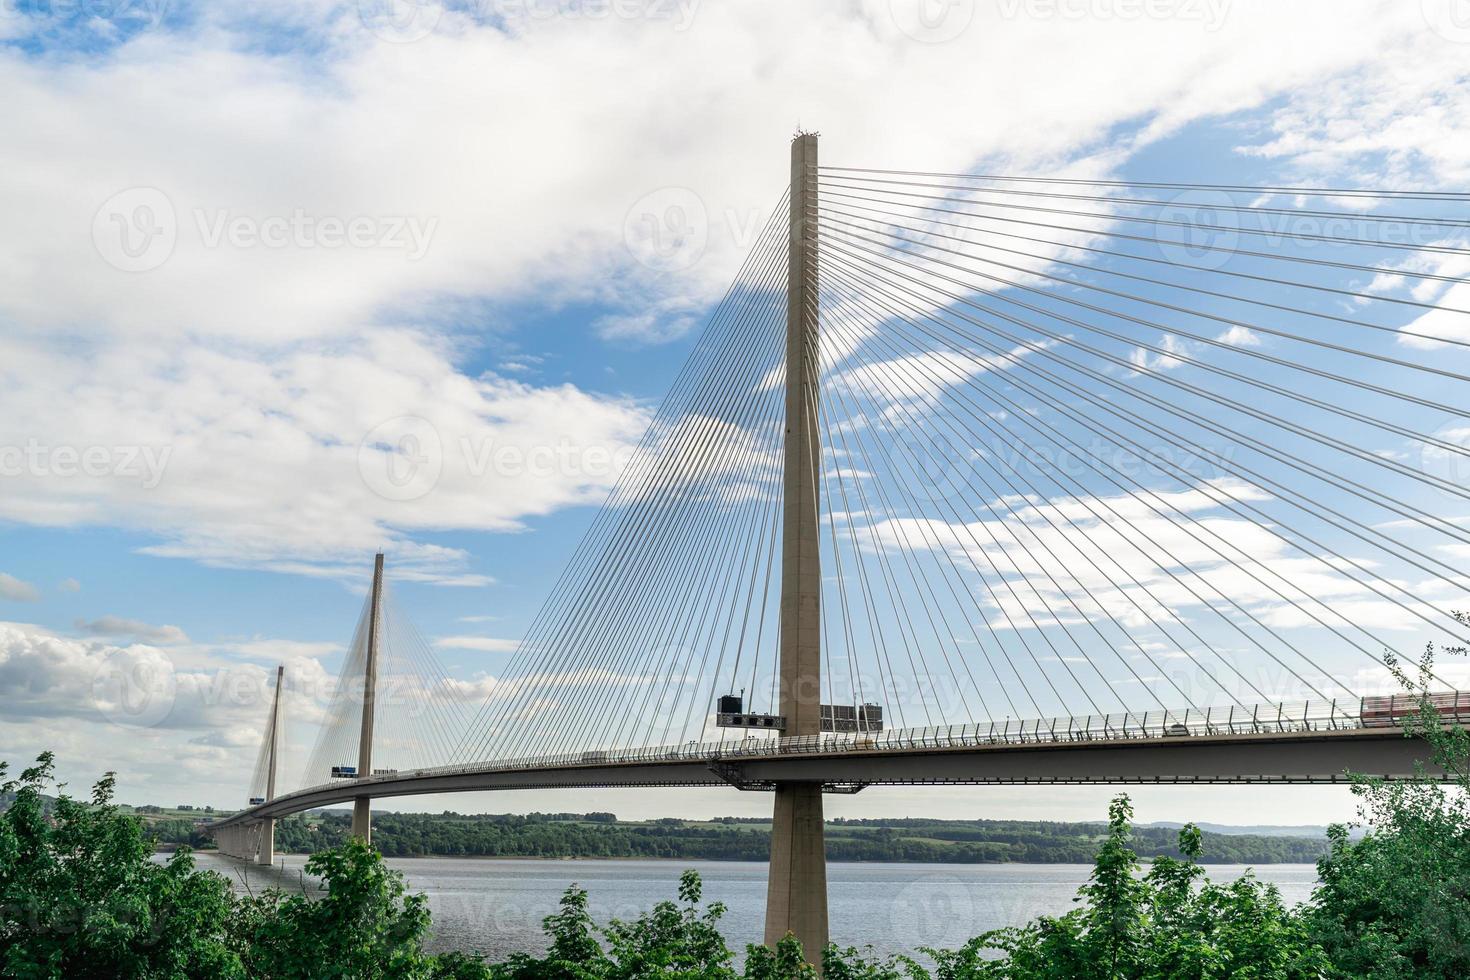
{"type": "Point", "coordinates": [987, 479]}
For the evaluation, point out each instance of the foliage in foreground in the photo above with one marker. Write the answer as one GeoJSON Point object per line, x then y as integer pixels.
{"type": "Point", "coordinates": [81, 898]}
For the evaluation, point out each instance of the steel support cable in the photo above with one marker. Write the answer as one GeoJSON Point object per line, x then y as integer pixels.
{"type": "Point", "coordinates": [1081, 495]}
{"type": "Point", "coordinates": [1451, 196]}
{"type": "Point", "coordinates": [725, 564]}
{"type": "Point", "coordinates": [928, 587]}
{"type": "Point", "coordinates": [670, 535]}
{"type": "Point", "coordinates": [1230, 250]}
{"type": "Point", "coordinates": [1256, 232]}
{"type": "Point", "coordinates": [690, 374]}
{"type": "Point", "coordinates": [1213, 342]}
{"type": "Point", "coordinates": [901, 616]}
{"type": "Point", "coordinates": [1396, 332]}
{"type": "Point", "coordinates": [690, 491]}
{"type": "Point", "coordinates": [1182, 357]}
{"type": "Point", "coordinates": [1021, 413]}
{"type": "Point", "coordinates": [1291, 461]}
{"type": "Point", "coordinates": [890, 516]}
{"type": "Point", "coordinates": [882, 658]}
{"type": "Point", "coordinates": [728, 328]}
{"type": "Point", "coordinates": [739, 579]}
{"type": "Point", "coordinates": [1253, 477]}
{"type": "Point", "coordinates": [1264, 520]}
{"type": "Point", "coordinates": [708, 530]}
{"type": "Point", "coordinates": [919, 471]}
{"type": "Point", "coordinates": [1424, 517]}
{"type": "Point", "coordinates": [331, 740]}
{"type": "Point", "coordinates": [854, 675]}
{"type": "Point", "coordinates": [1433, 221]}
{"type": "Point", "coordinates": [445, 722]}
{"type": "Point", "coordinates": [911, 561]}
{"type": "Point", "coordinates": [407, 653]}
{"type": "Point", "coordinates": [1225, 372]}
{"type": "Point", "coordinates": [769, 550]}
{"type": "Point", "coordinates": [1082, 535]}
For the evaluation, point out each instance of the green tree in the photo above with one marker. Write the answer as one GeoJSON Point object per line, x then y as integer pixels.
{"type": "Point", "coordinates": [80, 898]}
{"type": "Point", "coordinates": [1397, 902]}
{"type": "Point", "coordinates": [365, 927]}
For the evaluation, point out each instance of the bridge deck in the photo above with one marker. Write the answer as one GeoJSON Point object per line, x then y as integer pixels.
{"type": "Point", "coordinates": [1302, 753]}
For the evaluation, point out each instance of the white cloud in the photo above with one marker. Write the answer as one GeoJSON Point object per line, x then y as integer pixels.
{"type": "Point", "coordinates": [17, 590]}
{"type": "Point", "coordinates": [115, 626]}
{"type": "Point", "coordinates": [286, 460]}
{"type": "Point", "coordinates": [485, 644]}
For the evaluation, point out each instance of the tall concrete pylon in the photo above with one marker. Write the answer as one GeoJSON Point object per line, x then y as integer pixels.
{"type": "Point", "coordinates": [266, 854]}
{"type": "Point", "coordinates": [796, 892]}
{"type": "Point", "coordinates": [362, 806]}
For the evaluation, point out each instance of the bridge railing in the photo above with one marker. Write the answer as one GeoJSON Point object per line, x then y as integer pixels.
{"type": "Point", "coordinates": [1124, 726]}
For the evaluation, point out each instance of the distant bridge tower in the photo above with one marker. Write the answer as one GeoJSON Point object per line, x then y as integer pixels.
{"type": "Point", "coordinates": [796, 893]}
{"type": "Point", "coordinates": [266, 854]}
{"type": "Point", "coordinates": [362, 806]}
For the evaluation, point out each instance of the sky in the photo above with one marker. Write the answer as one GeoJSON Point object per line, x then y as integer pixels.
{"type": "Point", "coordinates": [249, 245]}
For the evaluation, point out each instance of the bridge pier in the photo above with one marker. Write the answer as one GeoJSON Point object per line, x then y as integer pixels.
{"type": "Point", "coordinates": [796, 891]}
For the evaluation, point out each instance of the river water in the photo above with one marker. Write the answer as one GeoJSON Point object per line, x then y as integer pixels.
{"type": "Point", "coordinates": [495, 907]}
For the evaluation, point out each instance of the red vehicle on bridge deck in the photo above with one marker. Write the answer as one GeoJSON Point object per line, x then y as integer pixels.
{"type": "Point", "coordinates": [1382, 712]}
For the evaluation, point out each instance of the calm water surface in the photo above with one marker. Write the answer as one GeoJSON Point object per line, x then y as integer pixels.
{"type": "Point", "coordinates": [495, 907]}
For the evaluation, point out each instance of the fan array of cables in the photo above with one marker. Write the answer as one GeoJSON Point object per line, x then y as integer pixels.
{"type": "Point", "coordinates": [270, 744]}
{"type": "Point", "coordinates": [418, 711]}
{"type": "Point", "coordinates": [1088, 447]}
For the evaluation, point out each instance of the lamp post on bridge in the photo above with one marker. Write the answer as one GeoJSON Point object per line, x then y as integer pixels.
{"type": "Point", "coordinates": [362, 806]}
{"type": "Point", "coordinates": [796, 891]}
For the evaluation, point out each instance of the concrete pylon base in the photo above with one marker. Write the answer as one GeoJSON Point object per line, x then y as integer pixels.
{"type": "Point", "coordinates": [796, 892]}
{"type": "Point", "coordinates": [362, 819]}
{"type": "Point", "coordinates": [266, 854]}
